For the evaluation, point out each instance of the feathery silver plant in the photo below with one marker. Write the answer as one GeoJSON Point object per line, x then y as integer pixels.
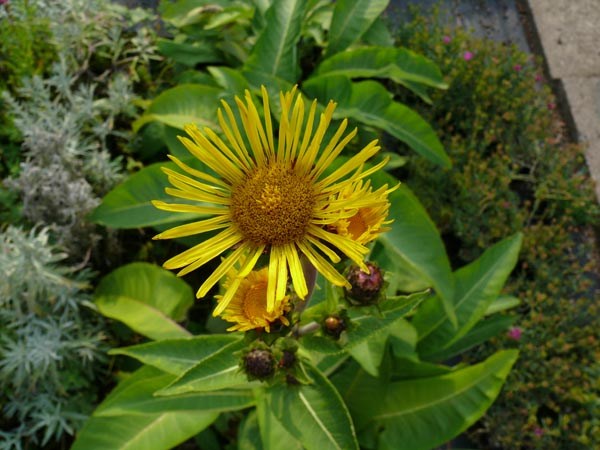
{"type": "Point", "coordinates": [67, 122]}
{"type": "Point", "coordinates": [49, 344]}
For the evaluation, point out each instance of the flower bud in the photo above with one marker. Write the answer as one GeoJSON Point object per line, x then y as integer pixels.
{"type": "Point", "coordinates": [334, 326]}
{"type": "Point", "coordinates": [259, 364]}
{"type": "Point", "coordinates": [365, 286]}
{"type": "Point", "coordinates": [287, 360]}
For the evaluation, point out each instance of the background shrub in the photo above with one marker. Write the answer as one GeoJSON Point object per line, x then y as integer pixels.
{"type": "Point", "coordinates": [514, 170]}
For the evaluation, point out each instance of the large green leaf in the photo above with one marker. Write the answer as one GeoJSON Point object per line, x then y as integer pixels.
{"type": "Point", "coordinates": [152, 424]}
{"type": "Point", "coordinates": [480, 333]}
{"type": "Point", "coordinates": [397, 64]}
{"type": "Point", "coordinates": [146, 298]}
{"type": "Point", "coordinates": [477, 286]}
{"type": "Point", "coordinates": [315, 414]}
{"type": "Point", "coordinates": [351, 19]}
{"type": "Point", "coordinates": [129, 205]}
{"type": "Point", "coordinates": [182, 105]}
{"type": "Point", "coordinates": [275, 51]}
{"type": "Point", "coordinates": [190, 54]}
{"type": "Point", "coordinates": [135, 395]}
{"type": "Point", "coordinates": [371, 104]}
{"type": "Point", "coordinates": [248, 435]}
{"type": "Point", "coordinates": [414, 240]}
{"type": "Point", "coordinates": [420, 414]}
{"type": "Point", "coordinates": [366, 324]}
{"type": "Point", "coordinates": [219, 370]}
{"type": "Point", "coordinates": [175, 356]}
{"type": "Point", "coordinates": [272, 433]}
{"type": "Point", "coordinates": [158, 431]}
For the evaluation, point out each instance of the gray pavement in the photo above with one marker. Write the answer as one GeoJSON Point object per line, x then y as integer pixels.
{"type": "Point", "coordinates": [569, 34]}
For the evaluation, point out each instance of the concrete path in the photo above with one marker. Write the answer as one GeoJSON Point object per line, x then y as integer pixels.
{"type": "Point", "coordinates": [569, 33]}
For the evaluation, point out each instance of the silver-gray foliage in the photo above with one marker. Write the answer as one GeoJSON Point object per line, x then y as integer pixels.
{"type": "Point", "coordinates": [68, 120]}
{"type": "Point", "coordinates": [50, 341]}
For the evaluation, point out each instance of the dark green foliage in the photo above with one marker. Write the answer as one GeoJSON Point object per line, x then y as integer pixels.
{"type": "Point", "coordinates": [513, 170]}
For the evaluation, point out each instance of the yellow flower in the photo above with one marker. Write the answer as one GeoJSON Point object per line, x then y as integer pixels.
{"type": "Point", "coordinates": [248, 307]}
{"type": "Point", "coordinates": [371, 209]}
{"type": "Point", "coordinates": [269, 196]}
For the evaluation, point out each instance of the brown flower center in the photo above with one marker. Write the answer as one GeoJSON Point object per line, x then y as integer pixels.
{"type": "Point", "coordinates": [273, 206]}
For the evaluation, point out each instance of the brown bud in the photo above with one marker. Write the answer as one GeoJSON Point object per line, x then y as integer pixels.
{"type": "Point", "coordinates": [365, 286]}
{"type": "Point", "coordinates": [259, 364]}
{"type": "Point", "coordinates": [334, 326]}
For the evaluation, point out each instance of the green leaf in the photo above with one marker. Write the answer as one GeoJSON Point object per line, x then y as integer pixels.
{"type": "Point", "coordinates": [146, 298]}
{"type": "Point", "coordinates": [189, 54]}
{"type": "Point", "coordinates": [175, 356]}
{"type": "Point", "coordinates": [502, 303]}
{"type": "Point", "coordinates": [370, 103]}
{"type": "Point", "coordinates": [275, 51]}
{"type": "Point", "coordinates": [378, 34]}
{"type": "Point", "coordinates": [219, 370]}
{"type": "Point", "coordinates": [129, 205]}
{"type": "Point", "coordinates": [182, 105]}
{"type": "Point", "coordinates": [272, 433]}
{"type": "Point", "coordinates": [132, 431]}
{"type": "Point", "coordinates": [477, 286]}
{"type": "Point", "coordinates": [351, 19]}
{"type": "Point", "coordinates": [140, 317]}
{"type": "Point", "coordinates": [369, 354]}
{"type": "Point", "coordinates": [366, 326]}
{"type": "Point", "coordinates": [135, 395]}
{"type": "Point", "coordinates": [248, 436]}
{"type": "Point", "coordinates": [415, 242]}
{"type": "Point", "coordinates": [229, 79]}
{"type": "Point", "coordinates": [149, 431]}
{"type": "Point", "coordinates": [314, 414]}
{"type": "Point", "coordinates": [480, 333]}
{"type": "Point", "coordinates": [150, 284]}
{"type": "Point", "coordinates": [189, 12]}
{"type": "Point", "coordinates": [397, 64]}
{"type": "Point", "coordinates": [424, 413]}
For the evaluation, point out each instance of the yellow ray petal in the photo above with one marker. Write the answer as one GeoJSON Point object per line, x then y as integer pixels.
{"type": "Point", "coordinates": [194, 183]}
{"type": "Point", "coordinates": [198, 174]}
{"type": "Point", "coordinates": [333, 256]}
{"type": "Point", "coordinates": [199, 227]}
{"type": "Point", "coordinates": [296, 272]}
{"type": "Point", "coordinates": [187, 208]}
{"type": "Point", "coordinates": [232, 132]}
{"type": "Point", "coordinates": [227, 297]}
{"type": "Point", "coordinates": [355, 251]}
{"type": "Point", "coordinates": [220, 271]}
{"type": "Point", "coordinates": [251, 262]}
{"type": "Point", "coordinates": [205, 251]}
{"type": "Point", "coordinates": [322, 265]}
{"type": "Point", "coordinates": [189, 193]}
{"type": "Point", "coordinates": [349, 165]}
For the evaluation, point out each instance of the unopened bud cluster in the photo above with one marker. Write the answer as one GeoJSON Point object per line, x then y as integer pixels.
{"type": "Point", "coordinates": [262, 362]}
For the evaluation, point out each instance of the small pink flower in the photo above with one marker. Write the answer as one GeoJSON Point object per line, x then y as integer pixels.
{"type": "Point", "coordinates": [517, 67]}
{"type": "Point", "coordinates": [515, 333]}
{"type": "Point", "coordinates": [3, 2]}
{"type": "Point", "coordinates": [538, 431]}
{"type": "Point", "coordinates": [468, 56]}
{"type": "Point", "coordinates": [446, 39]}
{"type": "Point", "coordinates": [551, 106]}
{"type": "Point", "coordinates": [538, 77]}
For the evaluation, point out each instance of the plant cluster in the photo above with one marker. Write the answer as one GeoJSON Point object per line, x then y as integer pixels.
{"type": "Point", "coordinates": [50, 342]}
{"type": "Point", "coordinates": [514, 170]}
{"type": "Point", "coordinates": [69, 71]}
{"type": "Point", "coordinates": [308, 363]}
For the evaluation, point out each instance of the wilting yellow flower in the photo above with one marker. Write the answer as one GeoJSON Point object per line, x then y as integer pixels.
{"type": "Point", "coordinates": [269, 196]}
{"type": "Point", "coordinates": [248, 307]}
{"type": "Point", "coordinates": [369, 219]}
